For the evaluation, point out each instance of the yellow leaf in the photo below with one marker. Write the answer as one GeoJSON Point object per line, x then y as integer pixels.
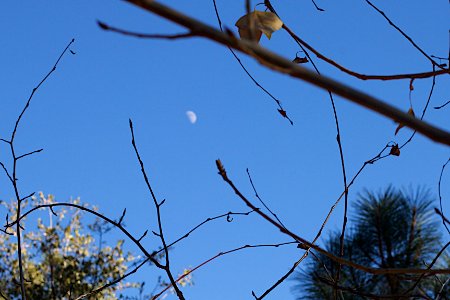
{"type": "Point", "coordinates": [261, 22]}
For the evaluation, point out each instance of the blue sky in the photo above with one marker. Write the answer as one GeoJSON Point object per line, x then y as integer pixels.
{"type": "Point", "coordinates": [80, 118]}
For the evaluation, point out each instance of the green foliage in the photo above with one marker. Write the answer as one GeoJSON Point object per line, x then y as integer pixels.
{"type": "Point", "coordinates": [61, 258]}
{"type": "Point", "coordinates": [393, 229]}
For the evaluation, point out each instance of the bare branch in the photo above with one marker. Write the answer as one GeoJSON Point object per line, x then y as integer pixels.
{"type": "Point", "coordinates": [285, 66]}
{"type": "Point", "coordinates": [405, 35]}
{"type": "Point", "coordinates": [107, 27]}
{"type": "Point", "coordinates": [36, 88]}
{"type": "Point", "coordinates": [302, 43]}
{"type": "Point", "coordinates": [165, 267]}
{"type": "Point", "coordinates": [29, 153]}
{"type": "Point", "coordinates": [440, 196]}
{"type": "Point", "coordinates": [371, 270]}
{"type": "Point", "coordinates": [217, 256]}
{"type": "Point", "coordinates": [443, 105]}
{"type": "Point", "coordinates": [278, 102]}
{"type": "Point", "coordinates": [111, 283]}
{"type": "Point", "coordinates": [6, 172]}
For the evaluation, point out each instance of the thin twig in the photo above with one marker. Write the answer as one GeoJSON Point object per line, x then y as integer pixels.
{"type": "Point", "coordinates": [113, 282]}
{"type": "Point", "coordinates": [95, 213]}
{"type": "Point", "coordinates": [440, 195]}
{"type": "Point", "coordinates": [341, 151]}
{"type": "Point", "coordinates": [107, 27]}
{"type": "Point", "coordinates": [429, 268]}
{"type": "Point", "coordinates": [260, 200]}
{"type": "Point", "coordinates": [404, 34]}
{"type": "Point", "coordinates": [361, 76]}
{"type": "Point", "coordinates": [285, 66]}
{"type": "Point", "coordinates": [367, 295]}
{"type": "Point", "coordinates": [157, 204]}
{"type": "Point", "coordinates": [278, 102]}
{"type": "Point", "coordinates": [433, 83]}
{"type": "Point", "coordinates": [217, 256]}
{"type": "Point", "coordinates": [13, 176]}
{"type": "Point", "coordinates": [441, 106]}
{"type": "Point", "coordinates": [371, 270]}
{"type": "Point", "coordinates": [227, 215]}
{"type": "Point", "coordinates": [29, 153]}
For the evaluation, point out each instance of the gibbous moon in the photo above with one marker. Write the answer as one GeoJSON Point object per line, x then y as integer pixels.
{"type": "Point", "coordinates": [191, 116]}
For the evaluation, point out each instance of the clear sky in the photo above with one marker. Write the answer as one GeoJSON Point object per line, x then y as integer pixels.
{"type": "Point", "coordinates": [80, 118]}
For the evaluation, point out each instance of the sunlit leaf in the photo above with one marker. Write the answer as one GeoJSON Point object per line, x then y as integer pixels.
{"type": "Point", "coordinates": [254, 24]}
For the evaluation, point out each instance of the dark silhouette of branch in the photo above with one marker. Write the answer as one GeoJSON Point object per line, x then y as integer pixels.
{"type": "Point", "coordinates": [278, 102]}
{"type": "Point", "coordinates": [282, 278]}
{"type": "Point", "coordinates": [107, 27]}
{"type": "Point", "coordinates": [113, 282]}
{"type": "Point", "coordinates": [157, 204]}
{"type": "Point", "coordinates": [12, 176]}
{"type": "Point", "coordinates": [298, 239]}
{"type": "Point", "coordinates": [341, 154]}
{"type": "Point", "coordinates": [285, 66]}
{"type": "Point", "coordinates": [429, 268]}
{"type": "Point", "coordinates": [302, 43]}
{"type": "Point", "coordinates": [226, 215]}
{"type": "Point", "coordinates": [443, 105]}
{"type": "Point", "coordinates": [404, 35]}
{"type": "Point", "coordinates": [369, 295]}
{"type": "Point", "coordinates": [29, 153]}
{"type": "Point", "coordinates": [440, 196]}
{"type": "Point", "coordinates": [217, 256]}
{"type": "Point", "coordinates": [438, 296]}
{"type": "Point", "coordinates": [260, 200]}
{"type": "Point", "coordinates": [149, 256]}
{"type": "Point", "coordinates": [317, 7]}
{"type": "Point", "coordinates": [423, 111]}
{"type": "Point", "coordinates": [95, 213]}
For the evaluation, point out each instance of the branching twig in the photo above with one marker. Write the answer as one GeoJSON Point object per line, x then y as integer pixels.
{"type": "Point", "coordinates": [107, 27]}
{"type": "Point", "coordinates": [440, 196]}
{"type": "Point", "coordinates": [343, 261]}
{"type": "Point", "coordinates": [302, 43]}
{"type": "Point", "coordinates": [433, 83]}
{"type": "Point", "coordinates": [405, 35]}
{"type": "Point", "coordinates": [278, 102]}
{"type": "Point", "coordinates": [285, 66]}
{"type": "Point", "coordinates": [429, 268]}
{"type": "Point", "coordinates": [443, 105]}
{"type": "Point", "coordinates": [260, 200]}
{"type": "Point", "coordinates": [217, 256]}
{"type": "Point", "coordinates": [113, 282]}
{"type": "Point", "coordinates": [157, 204]}
{"type": "Point", "coordinates": [13, 175]}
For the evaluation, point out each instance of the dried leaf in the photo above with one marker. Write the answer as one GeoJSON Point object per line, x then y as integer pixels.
{"type": "Point", "coordinates": [261, 22]}
{"type": "Point", "coordinates": [411, 86]}
{"type": "Point", "coordinates": [300, 60]}
{"type": "Point", "coordinates": [283, 113]}
{"type": "Point", "coordinates": [302, 246]}
{"type": "Point", "coordinates": [401, 125]}
{"type": "Point", "coordinates": [395, 150]}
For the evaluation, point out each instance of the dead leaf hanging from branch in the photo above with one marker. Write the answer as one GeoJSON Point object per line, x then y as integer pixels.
{"type": "Point", "coordinates": [253, 25]}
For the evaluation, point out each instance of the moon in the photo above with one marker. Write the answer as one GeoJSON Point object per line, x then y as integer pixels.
{"type": "Point", "coordinates": [191, 116]}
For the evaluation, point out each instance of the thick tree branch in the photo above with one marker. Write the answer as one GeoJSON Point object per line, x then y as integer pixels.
{"type": "Point", "coordinates": [340, 260]}
{"type": "Point", "coordinates": [285, 66]}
